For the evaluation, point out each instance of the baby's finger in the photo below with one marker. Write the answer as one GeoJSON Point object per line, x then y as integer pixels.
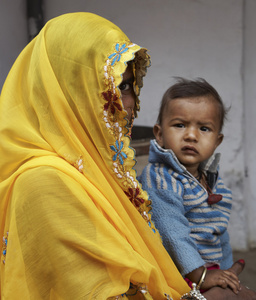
{"type": "Point", "coordinates": [231, 275]}
{"type": "Point", "coordinates": [222, 283]}
{"type": "Point", "coordinates": [234, 284]}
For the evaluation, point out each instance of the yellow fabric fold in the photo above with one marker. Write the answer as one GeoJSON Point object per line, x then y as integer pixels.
{"type": "Point", "coordinates": [75, 221]}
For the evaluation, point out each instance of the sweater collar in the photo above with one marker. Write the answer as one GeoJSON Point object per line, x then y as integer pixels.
{"type": "Point", "coordinates": [157, 154]}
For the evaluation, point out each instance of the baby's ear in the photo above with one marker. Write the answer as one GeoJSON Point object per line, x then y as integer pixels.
{"type": "Point", "coordinates": [220, 139]}
{"type": "Point", "coordinates": [157, 130]}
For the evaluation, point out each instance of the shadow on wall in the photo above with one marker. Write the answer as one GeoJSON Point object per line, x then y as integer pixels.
{"type": "Point", "coordinates": [35, 17]}
{"type": "Point", "coordinates": [141, 136]}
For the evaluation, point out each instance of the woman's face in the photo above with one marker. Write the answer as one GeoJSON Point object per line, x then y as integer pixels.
{"type": "Point", "coordinates": [128, 95]}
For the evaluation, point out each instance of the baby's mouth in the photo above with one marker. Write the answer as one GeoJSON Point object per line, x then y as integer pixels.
{"type": "Point", "coordinates": [189, 150]}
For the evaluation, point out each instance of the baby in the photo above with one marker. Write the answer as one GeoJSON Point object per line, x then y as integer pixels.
{"type": "Point", "coordinates": [190, 203]}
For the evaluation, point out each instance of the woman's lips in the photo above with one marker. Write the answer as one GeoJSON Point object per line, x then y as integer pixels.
{"type": "Point", "coordinates": [189, 150]}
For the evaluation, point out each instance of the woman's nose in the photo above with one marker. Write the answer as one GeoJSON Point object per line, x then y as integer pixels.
{"type": "Point", "coordinates": [129, 104]}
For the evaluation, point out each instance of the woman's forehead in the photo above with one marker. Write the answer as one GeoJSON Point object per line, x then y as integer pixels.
{"type": "Point", "coordinates": [128, 73]}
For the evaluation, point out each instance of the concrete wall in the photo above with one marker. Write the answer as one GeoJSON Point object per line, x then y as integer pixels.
{"type": "Point", "coordinates": [13, 34]}
{"type": "Point", "coordinates": [190, 38]}
{"type": "Point", "coordinates": [249, 113]}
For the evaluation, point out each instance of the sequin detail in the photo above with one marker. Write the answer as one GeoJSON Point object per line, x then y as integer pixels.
{"type": "Point", "coordinates": [79, 164]}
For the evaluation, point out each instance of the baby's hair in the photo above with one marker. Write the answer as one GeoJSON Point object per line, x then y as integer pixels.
{"type": "Point", "coordinates": [185, 88]}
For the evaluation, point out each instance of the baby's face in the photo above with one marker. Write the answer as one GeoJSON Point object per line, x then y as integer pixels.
{"type": "Point", "coordinates": [190, 127]}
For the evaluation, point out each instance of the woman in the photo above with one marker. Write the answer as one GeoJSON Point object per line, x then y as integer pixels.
{"type": "Point", "coordinates": [75, 222]}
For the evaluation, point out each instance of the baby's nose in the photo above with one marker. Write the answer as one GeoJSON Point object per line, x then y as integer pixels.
{"type": "Point", "coordinates": [191, 134]}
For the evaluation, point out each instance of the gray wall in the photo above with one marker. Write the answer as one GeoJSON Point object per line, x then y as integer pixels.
{"type": "Point", "coordinates": [249, 119]}
{"type": "Point", "coordinates": [213, 39]}
{"type": "Point", "coordinates": [13, 34]}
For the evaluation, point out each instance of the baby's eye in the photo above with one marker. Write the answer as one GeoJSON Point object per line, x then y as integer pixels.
{"type": "Point", "coordinates": [204, 128]}
{"type": "Point", "coordinates": [179, 125]}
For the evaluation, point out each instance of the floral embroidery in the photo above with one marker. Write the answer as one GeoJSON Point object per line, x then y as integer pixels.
{"type": "Point", "coordinates": [117, 55]}
{"type": "Point", "coordinates": [112, 106]}
{"type": "Point", "coordinates": [150, 225]}
{"type": "Point", "coordinates": [111, 102]}
{"type": "Point", "coordinates": [4, 250]}
{"type": "Point", "coordinates": [133, 196]}
{"type": "Point", "coordinates": [119, 154]}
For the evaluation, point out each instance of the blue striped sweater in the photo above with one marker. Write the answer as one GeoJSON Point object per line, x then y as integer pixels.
{"type": "Point", "coordinates": [193, 232]}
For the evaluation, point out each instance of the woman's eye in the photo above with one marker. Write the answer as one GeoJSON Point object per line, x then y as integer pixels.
{"type": "Point", "coordinates": [125, 86]}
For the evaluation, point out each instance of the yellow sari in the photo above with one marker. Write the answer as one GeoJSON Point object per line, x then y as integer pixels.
{"type": "Point", "coordinates": [74, 220]}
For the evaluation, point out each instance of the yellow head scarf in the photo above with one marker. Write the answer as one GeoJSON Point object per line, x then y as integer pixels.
{"type": "Point", "coordinates": [75, 221]}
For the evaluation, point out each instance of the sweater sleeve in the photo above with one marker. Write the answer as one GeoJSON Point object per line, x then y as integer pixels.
{"type": "Point", "coordinates": [168, 214]}
{"type": "Point", "coordinates": [169, 218]}
{"type": "Point", "coordinates": [227, 259]}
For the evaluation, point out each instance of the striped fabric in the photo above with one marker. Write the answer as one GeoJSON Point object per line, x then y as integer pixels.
{"type": "Point", "coordinates": [176, 195]}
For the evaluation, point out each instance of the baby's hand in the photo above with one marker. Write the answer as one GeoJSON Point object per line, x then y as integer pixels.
{"type": "Point", "coordinates": [222, 278]}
